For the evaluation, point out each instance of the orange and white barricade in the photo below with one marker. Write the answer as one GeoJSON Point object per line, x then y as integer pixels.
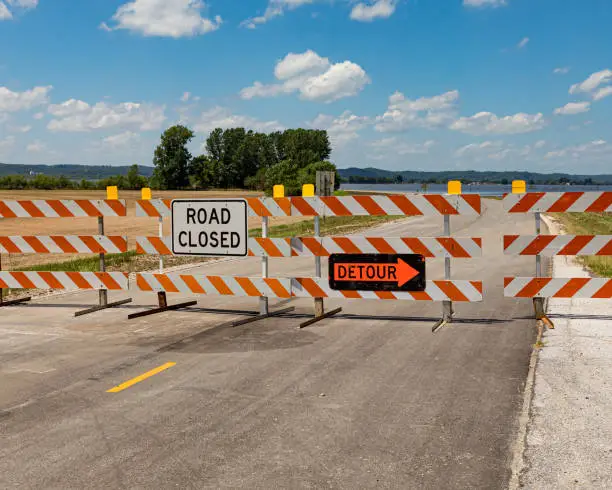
{"type": "Point", "coordinates": [539, 245]}
{"type": "Point", "coordinates": [66, 244]}
{"type": "Point", "coordinates": [257, 247]}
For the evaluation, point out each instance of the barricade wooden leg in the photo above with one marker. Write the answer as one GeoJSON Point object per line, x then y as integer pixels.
{"type": "Point", "coordinates": [447, 306]}
{"type": "Point", "coordinates": [538, 303]}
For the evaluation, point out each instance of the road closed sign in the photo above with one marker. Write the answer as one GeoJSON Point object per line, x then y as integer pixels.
{"type": "Point", "coordinates": [213, 227]}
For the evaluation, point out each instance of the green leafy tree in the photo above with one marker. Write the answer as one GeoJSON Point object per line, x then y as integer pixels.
{"type": "Point", "coordinates": [308, 174]}
{"type": "Point", "coordinates": [172, 158]}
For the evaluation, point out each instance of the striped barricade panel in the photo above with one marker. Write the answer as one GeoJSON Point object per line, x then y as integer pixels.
{"type": "Point", "coordinates": [546, 287]}
{"type": "Point", "coordinates": [215, 285]}
{"type": "Point", "coordinates": [63, 244]}
{"type": "Point", "coordinates": [465, 291]}
{"type": "Point", "coordinates": [257, 206]}
{"type": "Point", "coordinates": [558, 202]}
{"type": "Point", "coordinates": [392, 205]}
{"type": "Point", "coordinates": [113, 281]}
{"type": "Point", "coordinates": [550, 245]}
{"type": "Point", "coordinates": [258, 247]}
{"type": "Point", "coordinates": [54, 208]}
{"type": "Point", "coordinates": [428, 247]}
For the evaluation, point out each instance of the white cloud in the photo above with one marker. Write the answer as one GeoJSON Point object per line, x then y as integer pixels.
{"type": "Point", "coordinates": [425, 112]}
{"type": "Point", "coordinates": [186, 96]}
{"type": "Point", "coordinates": [121, 139]}
{"type": "Point", "coordinates": [343, 128]}
{"type": "Point", "coordinates": [485, 3]}
{"type": "Point", "coordinates": [220, 117]}
{"type": "Point", "coordinates": [591, 84]}
{"type": "Point", "coordinates": [5, 12]}
{"type": "Point", "coordinates": [165, 18]}
{"type": "Point", "coordinates": [36, 147]}
{"type": "Point", "coordinates": [487, 122]}
{"type": "Point", "coordinates": [478, 148]}
{"type": "Point", "coordinates": [593, 148]}
{"type": "Point", "coordinates": [602, 92]}
{"type": "Point", "coordinates": [314, 77]}
{"type": "Point", "coordinates": [7, 142]}
{"type": "Point", "coordinates": [376, 9]}
{"type": "Point", "coordinates": [274, 9]}
{"type": "Point", "coordinates": [76, 115]}
{"type": "Point", "coordinates": [39, 115]}
{"type": "Point", "coordinates": [573, 108]}
{"type": "Point", "coordinates": [562, 70]}
{"type": "Point", "coordinates": [523, 43]}
{"type": "Point", "coordinates": [21, 129]}
{"type": "Point", "coordinates": [17, 101]}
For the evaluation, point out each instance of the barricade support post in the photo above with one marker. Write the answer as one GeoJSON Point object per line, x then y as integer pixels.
{"type": "Point", "coordinates": [162, 300]}
{"type": "Point", "coordinates": [112, 194]}
{"type": "Point", "coordinates": [520, 187]}
{"type": "Point", "coordinates": [324, 188]}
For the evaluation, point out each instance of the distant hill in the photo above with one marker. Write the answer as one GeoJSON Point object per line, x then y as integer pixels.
{"type": "Point", "coordinates": [372, 175]}
{"type": "Point", "coordinates": [73, 172]}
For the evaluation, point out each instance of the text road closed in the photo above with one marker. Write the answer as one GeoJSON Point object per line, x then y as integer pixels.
{"type": "Point", "coordinates": [209, 227]}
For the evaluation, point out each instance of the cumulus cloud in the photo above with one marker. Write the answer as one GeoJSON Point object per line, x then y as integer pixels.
{"type": "Point", "coordinates": [121, 139]}
{"type": "Point", "coordinates": [485, 3]}
{"type": "Point", "coordinates": [562, 70]}
{"type": "Point", "coordinates": [274, 9]}
{"type": "Point", "coordinates": [487, 122]}
{"type": "Point", "coordinates": [592, 83]}
{"type": "Point", "coordinates": [593, 148]}
{"type": "Point", "coordinates": [17, 101]}
{"type": "Point", "coordinates": [36, 147]}
{"type": "Point", "coordinates": [75, 115]}
{"type": "Point", "coordinates": [497, 150]}
{"type": "Point", "coordinates": [343, 128]}
{"type": "Point", "coordinates": [523, 43]}
{"type": "Point", "coordinates": [375, 9]}
{"type": "Point", "coordinates": [425, 112]}
{"type": "Point", "coordinates": [602, 92]}
{"type": "Point", "coordinates": [220, 117]}
{"type": "Point", "coordinates": [315, 78]}
{"type": "Point", "coordinates": [573, 108]}
{"type": "Point", "coordinates": [164, 18]}
{"type": "Point", "coordinates": [7, 7]}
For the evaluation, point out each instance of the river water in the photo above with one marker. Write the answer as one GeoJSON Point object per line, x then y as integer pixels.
{"type": "Point", "coordinates": [482, 189]}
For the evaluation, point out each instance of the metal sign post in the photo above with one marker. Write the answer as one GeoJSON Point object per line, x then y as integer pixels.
{"type": "Point", "coordinates": [111, 194]}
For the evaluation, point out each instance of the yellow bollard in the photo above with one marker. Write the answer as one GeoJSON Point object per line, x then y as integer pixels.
{"type": "Point", "coordinates": [308, 190]}
{"type": "Point", "coordinates": [278, 191]}
{"type": "Point", "coordinates": [454, 187]}
{"type": "Point", "coordinates": [519, 187]}
{"type": "Point", "coordinates": [112, 193]}
{"type": "Point", "coordinates": [145, 194]}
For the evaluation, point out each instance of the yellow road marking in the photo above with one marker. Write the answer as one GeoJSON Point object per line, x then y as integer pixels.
{"type": "Point", "coordinates": [140, 378]}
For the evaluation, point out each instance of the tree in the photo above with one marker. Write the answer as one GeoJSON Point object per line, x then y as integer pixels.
{"type": "Point", "coordinates": [134, 180]}
{"type": "Point", "coordinates": [205, 172]}
{"type": "Point", "coordinates": [172, 158]}
{"type": "Point", "coordinates": [308, 174]}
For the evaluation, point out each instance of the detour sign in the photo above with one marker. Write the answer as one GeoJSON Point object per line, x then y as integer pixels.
{"type": "Point", "coordinates": [377, 272]}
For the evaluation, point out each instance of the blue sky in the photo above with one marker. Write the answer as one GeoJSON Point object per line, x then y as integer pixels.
{"type": "Point", "coordinates": [406, 84]}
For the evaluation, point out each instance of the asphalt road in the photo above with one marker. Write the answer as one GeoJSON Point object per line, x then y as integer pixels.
{"type": "Point", "coordinates": [368, 399]}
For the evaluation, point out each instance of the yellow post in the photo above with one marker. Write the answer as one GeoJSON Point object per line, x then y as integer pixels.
{"type": "Point", "coordinates": [145, 194]}
{"type": "Point", "coordinates": [308, 190]}
{"type": "Point", "coordinates": [112, 193]}
{"type": "Point", "coordinates": [454, 187]}
{"type": "Point", "coordinates": [278, 191]}
{"type": "Point", "coordinates": [519, 187]}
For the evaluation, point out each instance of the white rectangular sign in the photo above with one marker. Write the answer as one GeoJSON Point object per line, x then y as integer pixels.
{"type": "Point", "coordinates": [215, 227]}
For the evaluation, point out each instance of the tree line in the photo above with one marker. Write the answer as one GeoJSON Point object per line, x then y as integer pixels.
{"type": "Point", "coordinates": [131, 181]}
{"type": "Point", "coordinates": [237, 158]}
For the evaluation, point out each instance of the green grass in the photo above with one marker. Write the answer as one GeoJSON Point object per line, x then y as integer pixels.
{"type": "Point", "coordinates": [86, 264]}
{"type": "Point", "coordinates": [336, 225]}
{"type": "Point", "coordinates": [590, 224]}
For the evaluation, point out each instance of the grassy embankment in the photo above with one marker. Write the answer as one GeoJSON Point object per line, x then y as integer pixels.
{"type": "Point", "coordinates": [590, 224]}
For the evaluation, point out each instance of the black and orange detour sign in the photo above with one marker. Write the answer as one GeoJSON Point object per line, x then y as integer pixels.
{"type": "Point", "coordinates": [377, 272]}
